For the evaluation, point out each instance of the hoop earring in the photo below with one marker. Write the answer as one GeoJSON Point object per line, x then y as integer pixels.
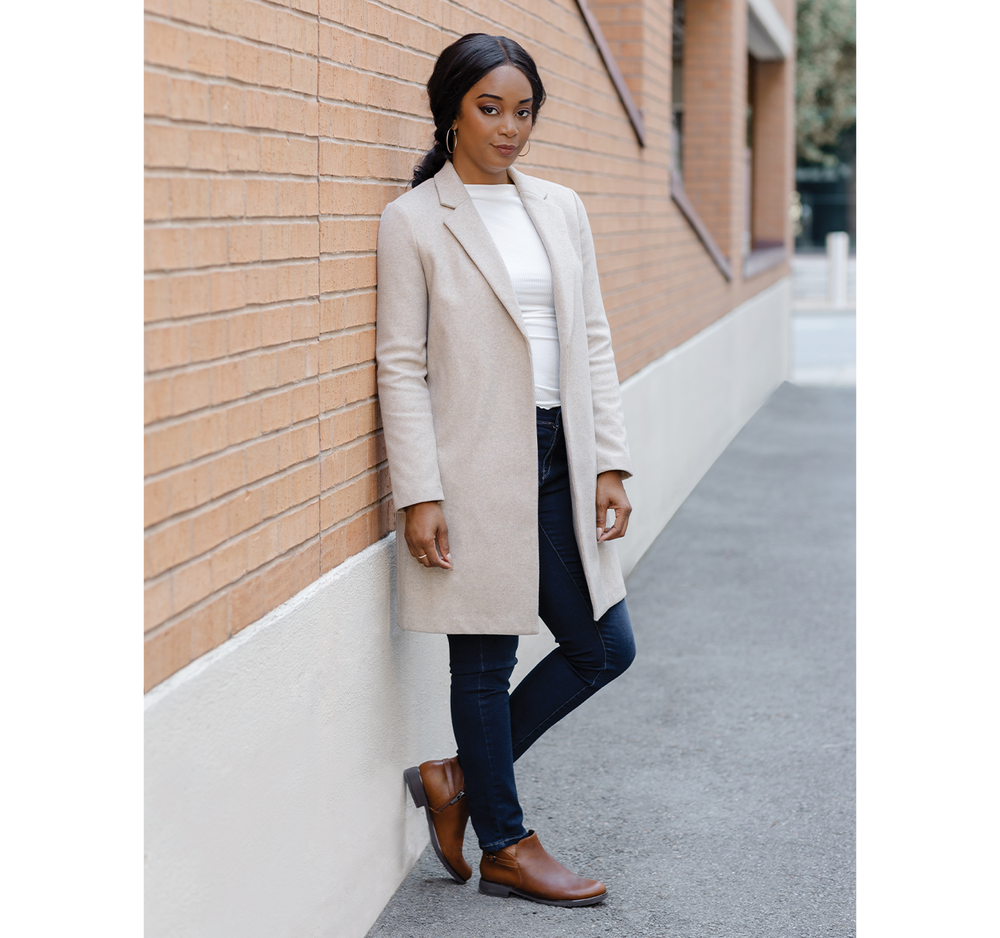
{"type": "Point", "coordinates": [526, 152]}
{"type": "Point", "coordinates": [451, 130]}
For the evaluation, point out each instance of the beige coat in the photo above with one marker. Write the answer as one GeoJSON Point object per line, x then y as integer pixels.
{"type": "Point", "coordinates": [457, 397]}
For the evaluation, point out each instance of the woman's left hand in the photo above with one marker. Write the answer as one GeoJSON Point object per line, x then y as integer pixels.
{"type": "Point", "coordinates": [611, 494]}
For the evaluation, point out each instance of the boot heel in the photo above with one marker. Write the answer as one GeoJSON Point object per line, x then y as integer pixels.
{"type": "Point", "coordinates": [413, 781]}
{"type": "Point", "coordinates": [493, 889]}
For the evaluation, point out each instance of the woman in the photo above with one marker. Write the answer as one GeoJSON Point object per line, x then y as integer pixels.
{"type": "Point", "coordinates": [506, 444]}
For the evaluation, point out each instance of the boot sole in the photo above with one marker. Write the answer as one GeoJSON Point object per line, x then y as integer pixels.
{"type": "Point", "coordinates": [503, 892]}
{"type": "Point", "coordinates": [416, 786]}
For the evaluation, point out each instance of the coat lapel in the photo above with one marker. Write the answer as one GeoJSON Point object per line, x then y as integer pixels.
{"type": "Point", "coordinates": [466, 225]}
{"type": "Point", "coordinates": [550, 223]}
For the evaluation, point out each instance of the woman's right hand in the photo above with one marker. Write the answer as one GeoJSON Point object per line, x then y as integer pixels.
{"type": "Point", "coordinates": [427, 535]}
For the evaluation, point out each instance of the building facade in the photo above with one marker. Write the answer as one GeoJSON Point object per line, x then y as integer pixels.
{"type": "Point", "coordinates": [282, 702]}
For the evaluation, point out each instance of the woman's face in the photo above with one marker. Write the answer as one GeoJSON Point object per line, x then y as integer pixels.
{"type": "Point", "coordinates": [493, 126]}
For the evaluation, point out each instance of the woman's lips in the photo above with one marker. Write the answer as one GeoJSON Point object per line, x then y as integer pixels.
{"type": "Point", "coordinates": [504, 148]}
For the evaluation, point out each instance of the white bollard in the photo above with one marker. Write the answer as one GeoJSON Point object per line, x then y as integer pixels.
{"type": "Point", "coordinates": [836, 257]}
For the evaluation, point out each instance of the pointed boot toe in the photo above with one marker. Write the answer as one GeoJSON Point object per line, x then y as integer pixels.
{"type": "Point", "coordinates": [524, 869]}
{"type": "Point", "coordinates": [438, 786]}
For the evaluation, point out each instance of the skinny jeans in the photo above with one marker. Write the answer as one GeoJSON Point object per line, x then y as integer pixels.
{"type": "Point", "coordinates": [493, 727]}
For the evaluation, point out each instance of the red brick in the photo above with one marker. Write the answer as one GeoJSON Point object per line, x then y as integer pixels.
{"type": "Point", "coordinates": [262, 546]}
{"type": "Point", "coordinates": [188, 100]}
{"type": "Point", "coordinates": [298, 526]}
{"type": "Point", "coordinates": [228, 290]}
{"type": "Point", "coordinates": [208, 339]}
{"type": "Point", "coordinates": [208, 247]}
{"type": "Point", "coordinates": [333, 549]}
{"type": "Point", "coordinates": [260, 22]}
{"type": "Point", "coordinates": [156, 501]}
{"type": "Point", "coordinates": [192, 584]}
{"type": "Point", "coordinates": [305, 402]}
{"type": "Point", "coordinates": [167, 651]}
{"type": "Point", "coordinates": [262, 459]}
{"type": "Point", "coordinates": [190, 11]}
{"type": "Point", "coordinates": [244, 151]}
{"type": "Point", "coordinates": [275, 68]}
{"type": "Point", "coordinates": [276, 411]}
{"type": "Point", "coordinates": [156, 299]}
{"type": "Point", "coordinates": [191, 390]}
{"type": "Point", "coordinates": [208, 149]}
{"type": "Point", "coordinates": [189, 488]}
{"type": "Point", "coordinates": [243, 422]}
{"type": "Point", "coordinates": [244, 330]}
{"type": "Point", "coordinates": [166, 347]}
{"type": "Point", "coordinates": [262, 371]}
{"type": "Point", "coordinates": [227, 473]}
{"type": "Point", "coordinates": [229, 563]}
{"type": "Point", "coordinates": [244, 244]}
{"type": "Point", "coordinates": [209, 529]}
{"type": "Point", "coordinates": [210, 626]}
{"type": "Point", "coordinates": [206, 54]}
{"type": "Point", "coordinates": [228, 198]}
{"type": "Point", "coordinates": [227, 105]}
{"type": "Point", "coordinates": [227, 16]}
{"type": "Point", "coordinates": [157, 399]}
{"type": "Point", "coordinates": [166, 45]}
{"type": "Point", "coordinates": [356, 535]}
{"type": "Point", "coordinates": [157, 604]}
{"type": "Point", "coordinates": [166, 146]}
{"type": "Point", "coordinates": [168, 248]}
{"type": "Point", "coordinates": [208, 434]}
{"type": "Point", "coordinates": [277, 496]}
{"type": "Point", "coordinates": [189, 197]}
{"type": "Point", "coordinates": [280, 583]}
{"type": "Point", "coordinates": [156, 102]}
{"type": "Point", "coordinates": [246, 603]}
{"type": "Point", "coordinates": [242, 61]}
{"type": "Point", "coordinates": [305, 484]}
{"type": "Point", "coordinates": [244, 511]}
{"type": "Point", "coordinates": [228, 381]}
{"type": "Point", "coordinates": [189, 295]}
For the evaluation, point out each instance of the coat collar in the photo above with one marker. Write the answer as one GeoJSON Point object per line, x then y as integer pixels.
{"type": "Point", "coordinates": [452, 192]}
{"type": "Point", "coordinates": [467, 226]}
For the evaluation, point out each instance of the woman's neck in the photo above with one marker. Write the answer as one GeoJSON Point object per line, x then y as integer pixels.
{"type": "Point", "coordinates": [472, 175]}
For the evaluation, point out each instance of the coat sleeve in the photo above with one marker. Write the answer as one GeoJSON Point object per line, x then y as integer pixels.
{"type": "Point", "coordinates": [401, 358]}
{"type": "Point", "coordinates": [609, 418]}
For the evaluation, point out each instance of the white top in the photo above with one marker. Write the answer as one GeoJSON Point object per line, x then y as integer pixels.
{"type": "Point", "coordinates": [527, 263]}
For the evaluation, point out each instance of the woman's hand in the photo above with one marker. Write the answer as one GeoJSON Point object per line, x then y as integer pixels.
{"type": "Point", "coordinates": [427, 535]}
{"type": "Point", "coordinates": [611, 494]}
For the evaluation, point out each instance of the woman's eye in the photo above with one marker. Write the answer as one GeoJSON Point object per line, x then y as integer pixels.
{"type": "Point", "coordinates": [490, 109]}
{"type": "Point", "coordinates": [524, 112]}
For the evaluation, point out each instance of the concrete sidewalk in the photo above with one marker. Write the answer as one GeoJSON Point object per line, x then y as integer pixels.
{"type": "Point", "coordinates": [824, 339]}
{"type": "Point", "coordinates": [712, 786]}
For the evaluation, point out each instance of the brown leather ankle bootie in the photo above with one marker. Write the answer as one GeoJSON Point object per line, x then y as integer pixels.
{"type": "Point", "coordinates": [439, 786]}
{"type": "Point", "coordinates": [526, 870]}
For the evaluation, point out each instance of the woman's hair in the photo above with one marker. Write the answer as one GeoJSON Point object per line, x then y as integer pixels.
{"type": "Point", "coordinates": [458, 68]}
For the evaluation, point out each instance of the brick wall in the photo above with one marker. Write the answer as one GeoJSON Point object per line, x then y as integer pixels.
{"type": "Point", "coordinates": [275, 135]}
{"type": "Point", "coordinates": [773, 151]}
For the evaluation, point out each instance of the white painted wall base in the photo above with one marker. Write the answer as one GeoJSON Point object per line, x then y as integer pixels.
{"type": "Point", "coordinates": [274, 796]}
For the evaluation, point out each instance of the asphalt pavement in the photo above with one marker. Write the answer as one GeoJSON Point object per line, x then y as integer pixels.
{"type": "Point", "coordinates": [712, 786]}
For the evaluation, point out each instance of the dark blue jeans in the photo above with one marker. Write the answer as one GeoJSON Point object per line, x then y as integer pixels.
{"type": "Point", "coordinates": [493, 727]}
